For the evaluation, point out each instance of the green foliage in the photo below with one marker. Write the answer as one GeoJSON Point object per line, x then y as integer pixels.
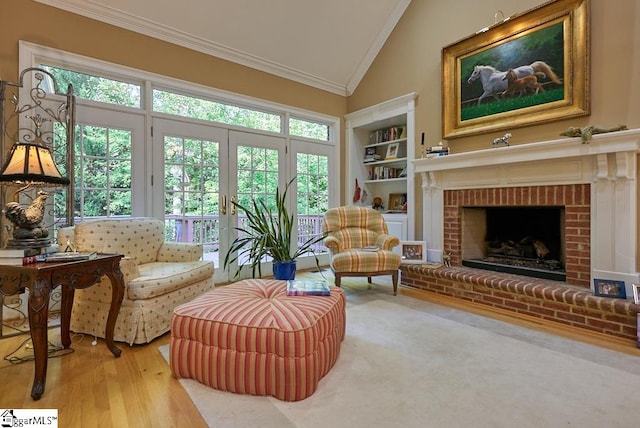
{"type": "Point", "coordinates": [304, 128]}
{"type": "Point", "coordinates": [198, 108]}
{"type": "Point", "coordinates": [267, 233]}
{"type": "Point", "coordinates": [103, 164]}
{"type": "Point", "coordinates": [103, 170]}
{"type": "Point", "coordinates": [97, 88]}
{"type": "Point", "coordinates": [313, 184]}
{"type": "Point", "coordinates": [509, 104]}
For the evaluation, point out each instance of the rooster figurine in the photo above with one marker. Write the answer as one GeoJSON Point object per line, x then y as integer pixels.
{"type": "Point", "coordinates": [27, 220]}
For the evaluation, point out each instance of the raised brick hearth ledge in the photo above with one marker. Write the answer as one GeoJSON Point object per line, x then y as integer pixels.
{"type": "Point", "coordinates": [549, 300]}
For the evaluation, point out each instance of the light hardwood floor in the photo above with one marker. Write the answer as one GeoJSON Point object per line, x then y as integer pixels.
{"type": "Point", "coordinates": [90, 387]}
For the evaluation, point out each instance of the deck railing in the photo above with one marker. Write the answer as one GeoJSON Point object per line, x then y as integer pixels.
{"type": "Point", "coordinates": [205, 229]}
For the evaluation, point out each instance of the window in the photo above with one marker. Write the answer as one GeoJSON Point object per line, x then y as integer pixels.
{"type": "Point", "coordinates": [96, 88]}
{"type": "Point", "coordinates": [307, 129]}
{"type": "Point", "coordinates": [102, 172]}
{"type": "Point", "coordinates": [118, 158]}
{"type": "Point", "coordinates": [198, 108]}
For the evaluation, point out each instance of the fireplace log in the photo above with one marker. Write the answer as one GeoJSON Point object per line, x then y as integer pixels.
{"type": "Point", "coordinates": [527, 247]}
{"type": "Point", "coordinates": [541, 249]}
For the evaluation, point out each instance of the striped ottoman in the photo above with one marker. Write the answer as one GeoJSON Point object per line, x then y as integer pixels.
{"type": "Point", "coordinates": [251, 338]}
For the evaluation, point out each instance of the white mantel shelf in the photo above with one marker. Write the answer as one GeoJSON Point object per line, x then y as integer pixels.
{"type": "Point", "coordinates": [608, 163]}
{"type": "Point", "coordinates": [613, 142]}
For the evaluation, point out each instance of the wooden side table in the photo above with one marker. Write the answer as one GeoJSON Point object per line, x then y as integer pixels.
{"type": "Point", "coordinates": [40, 279]}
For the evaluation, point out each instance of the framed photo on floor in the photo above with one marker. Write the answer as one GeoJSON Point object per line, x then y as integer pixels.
{"type": "Point", "coordinates": [609, 288]}
{"type": "Point", "coordinates": [636, 293]}
{"type": "Point", "coordinates": [413, 252]}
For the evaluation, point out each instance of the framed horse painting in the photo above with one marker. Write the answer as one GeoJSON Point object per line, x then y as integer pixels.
{"type": "Point", "coordinates": [529, 68]}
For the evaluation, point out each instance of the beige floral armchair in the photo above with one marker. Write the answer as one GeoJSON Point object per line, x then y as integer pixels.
{"type": "Point", "coordinates": [349, 230]}
{"type": "Point", "coordinates": [158, 277]}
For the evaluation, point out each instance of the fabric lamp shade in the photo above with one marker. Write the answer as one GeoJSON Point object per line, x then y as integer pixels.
{"type": "Point", "coordinates": [31, 164]}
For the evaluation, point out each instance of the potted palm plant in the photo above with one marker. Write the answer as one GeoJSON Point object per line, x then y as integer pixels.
{"type": "Point", "coordinates": [267, 233]}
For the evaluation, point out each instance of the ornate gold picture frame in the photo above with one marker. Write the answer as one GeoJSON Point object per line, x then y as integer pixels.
{"type": "Point", "coordinates": [548, 50]}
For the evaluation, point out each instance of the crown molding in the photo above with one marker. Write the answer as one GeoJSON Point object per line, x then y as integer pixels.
{"type": "Point", "coordinates": [172, 35]}
{"type": "Point", "coordinates": [377, 45]}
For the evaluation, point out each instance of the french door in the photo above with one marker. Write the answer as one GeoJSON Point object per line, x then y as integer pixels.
{"type": "Point", "coordinates": [204, 169]}
{"type": "Point", "coordinates": [257, 167]}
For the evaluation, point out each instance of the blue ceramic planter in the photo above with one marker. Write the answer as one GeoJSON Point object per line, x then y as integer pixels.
{"type": "Point", "coordinates": [284, 270]}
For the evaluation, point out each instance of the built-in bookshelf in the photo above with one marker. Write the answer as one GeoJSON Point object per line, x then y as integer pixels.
{"type": "Point", "coordinates": [380, 143]}
{"type": "Point", "coordinates": [386, 154]}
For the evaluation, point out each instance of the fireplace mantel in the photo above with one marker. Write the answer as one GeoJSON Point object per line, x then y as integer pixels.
{"type": "Point", "coordinates": [608, 164]}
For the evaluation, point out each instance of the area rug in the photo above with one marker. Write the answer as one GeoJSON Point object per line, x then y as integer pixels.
{"type": "Point", "coordinates": [429, 366]}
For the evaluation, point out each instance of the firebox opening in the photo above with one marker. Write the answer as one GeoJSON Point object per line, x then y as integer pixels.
{"type": "Point", "coordinates": [523, 240]}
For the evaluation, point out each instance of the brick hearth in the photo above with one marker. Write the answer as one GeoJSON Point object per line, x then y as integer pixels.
{"type": "Point", "coordinates": [597, 183]}
{"type": "Point", "coordinates": [549, 300]}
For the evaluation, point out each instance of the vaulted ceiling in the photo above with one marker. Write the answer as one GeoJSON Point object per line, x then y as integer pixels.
{"type": "Point", "coordinates": [328, 44]}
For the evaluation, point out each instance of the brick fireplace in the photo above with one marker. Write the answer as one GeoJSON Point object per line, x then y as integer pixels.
{"type": "Point", "coordinates": [594, 184]}
{"type": "Point", "coordinates": [575, 198]}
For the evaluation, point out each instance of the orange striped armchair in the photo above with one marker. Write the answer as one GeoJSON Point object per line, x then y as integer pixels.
{"type": "Point", "coordinates": [349, 230]}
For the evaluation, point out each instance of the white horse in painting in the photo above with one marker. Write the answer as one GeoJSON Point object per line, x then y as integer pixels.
{"type": "Point", "coordinates": [493, 81]}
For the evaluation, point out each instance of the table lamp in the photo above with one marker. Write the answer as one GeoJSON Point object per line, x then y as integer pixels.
{"type": "Point", "coordinates": [30, 164]}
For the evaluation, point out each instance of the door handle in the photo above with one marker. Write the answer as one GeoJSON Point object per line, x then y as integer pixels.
{"type": "Point", "coordinates": [223, 208]}
{"type": "Point", "coordinates": [233, 206]}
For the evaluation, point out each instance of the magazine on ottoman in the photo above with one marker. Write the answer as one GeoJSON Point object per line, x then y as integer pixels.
{"type": "Point", "coordinates": [308, 288]}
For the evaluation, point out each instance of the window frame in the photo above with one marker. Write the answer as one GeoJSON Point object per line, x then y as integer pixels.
{"type": "Point", "coordinates": [32, 55]}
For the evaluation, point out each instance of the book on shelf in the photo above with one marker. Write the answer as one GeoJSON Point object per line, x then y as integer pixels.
{"type": "Point", "coordinates": [308, 288]}
{"type": "Point", "coordinates": [384, 173]}
{"type": "Point", "coordinates": [436, 151]}
{"type": "Point", "coordinates": [433, 149]}
{"type": "Point", "coordinates": [436, 155]}
{"type": "Point", "coordinates": [371, 158]}
{"type": "Point", "coordinates": [388, 134]}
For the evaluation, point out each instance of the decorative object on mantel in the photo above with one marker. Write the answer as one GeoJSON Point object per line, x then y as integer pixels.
{"type": "Point", "coordinates": [504, 140]}
{"type": "Point", "coordinates": [442, 149]}
{"type": "Point", "coordinates": [587, 131]}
